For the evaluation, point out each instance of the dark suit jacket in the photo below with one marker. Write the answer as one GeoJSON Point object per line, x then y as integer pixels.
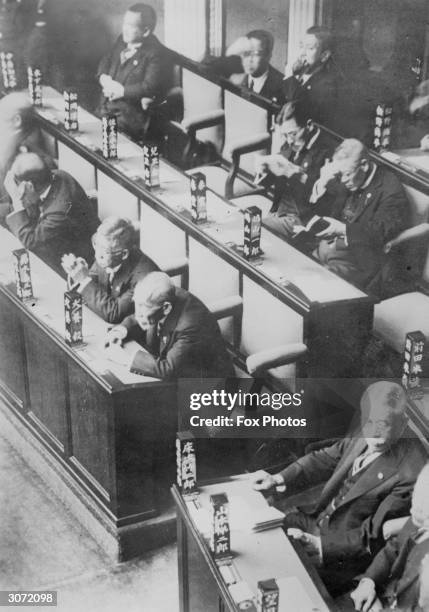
{"type": "Point", "coordinates": [383, 212]}
{"type": "Point", "coordinates": [318, 95]}
{"type": "Point", "coordinates": [147, 74]}
{"type": "Point", "coordinates": [273, 86]}
{"type": "Point", "coordinates": [190, 343]}
{"type": "Point", "coordinates": [383, 490]}
{"type": "Point", "coordinates": [291, 194]}
{"type": "Point", "coordinates": [395, 569]}
{"type": "Point", "coordinates": [116, 303]}
{"type": "Point", "coordinates": [63, 223]}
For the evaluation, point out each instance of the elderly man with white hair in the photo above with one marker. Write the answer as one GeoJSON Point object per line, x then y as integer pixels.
{"type": "Point", "coordinates": [392, 579]}
{"type": "Point", "coordinates": [369, 479]}
{"type": "Point", "coordinates": [179, 336]}
{"type": "Point", "coordinates": [368, 208]}
{"type": "Point", "coordinates": [107, 287]}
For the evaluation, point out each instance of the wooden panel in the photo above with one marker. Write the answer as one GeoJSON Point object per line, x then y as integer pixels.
{"type": "Point", "coordinates": [267, 322]}
{"type": "Point", "coordinates": [239, 115]}
{"type": "Point", "coordinates": [199, 97]}
{"type": "Point", "coordinates": [90, 416]}
{"type": "Point", "coordinates": [115, 200]}
{"type": "Point", "coordinates": [79, 168]}
{"type": "Point", "coordinates": [12, 360]}
{"type": "Point", "coordinates": [47, 385]}
{"type": "Point", "coordinates": [160, 238]}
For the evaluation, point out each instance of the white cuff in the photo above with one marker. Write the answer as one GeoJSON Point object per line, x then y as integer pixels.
{"type": "Point", "coordinates": [318, 190]}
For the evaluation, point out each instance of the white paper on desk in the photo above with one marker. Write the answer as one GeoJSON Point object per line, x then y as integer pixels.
{"type": "Point", "coordinates": [225, 236]}
{"type": "Point", "coordinates": [129, 149]}
{"type": "Point", "coordinates": [290, 587]}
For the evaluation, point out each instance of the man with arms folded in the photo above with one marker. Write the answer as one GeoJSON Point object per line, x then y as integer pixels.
{"type": "Point", "coordinates": [369, 207]}
{"type": "Point", "coordinates": [51, 213]}
{"type": "Point", "coordinates": [136, 72]}
{"type": "Point", "coordinates": [107, 287]}
{"type": "Point", "coordinates": [392, 579]}
{"type": "Point", "coordinates": [180, 336]}
{"type": "Point", "coordinates": [369, 479]}
{"type": "Point", "coordinates": [294, 170]}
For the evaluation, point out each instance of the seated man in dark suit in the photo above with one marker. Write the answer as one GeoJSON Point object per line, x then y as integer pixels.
{"type": "Point", "coordinates": [251, 55]}
{"type": "Point", "coordinates": [370, 479]}
{"type": "Point", "coordinates": [135, 73]}
{"type": "Point", "coordinates": [19, 134]}
{"type": "Point", "coordinates": [181, 337]}
{"type": "Point", "coordinates": [392, 579]}
{"type": "Point", "coordinates": [51, 213]}
{"type": "Point", "coordinates": [295, 169]}
{"type": "Point", "coordinates": [314, 79]}
{"type": "Point", "coordinates": [107, 287]}
{"type": "Point", "coordinates": [368, 207]}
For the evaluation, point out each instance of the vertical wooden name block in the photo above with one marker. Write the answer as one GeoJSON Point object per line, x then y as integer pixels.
{"type": "Point", "coordinates": [71, 121]}
{"type": "Point", "coordinates": [109, 126]}
{"type": "Point", "coordinates": [8, 70]}
{"type": "Point", "coordinates": [73, 318]}
{"type": "Point", "coordinates": [252, 232]}
{"type": "Point", "coordinates": [268, 596]}
{"type": "Point", "coordinates": [35, 85]}
{"type": "Point", "coordinates": [383, 126]}
{"type": "Point", "coordinates": [413, 358]}
{"type": "Point", "coordinates": [198, 197]}
{"type": "Point", "coordinates": [21, 262]}
{"type": "Point", "coordinates": [151, 165]}
{"type": "Point", "coordinates": [220, 542]}
{"type": "Point", "coordinates": [186, 463]}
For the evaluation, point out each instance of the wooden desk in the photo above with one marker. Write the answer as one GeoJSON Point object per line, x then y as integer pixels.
{"type": "Point", "coordinates": [287, 296]}
{"type": "Point", "coordinates": [257, 556]}
{"type": "Point", "coordinates": [98, 423]}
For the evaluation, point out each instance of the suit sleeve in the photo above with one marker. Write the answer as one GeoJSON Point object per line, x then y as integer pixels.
{"type": "Point", "coordinates": [111, 309]}
{"type": "Point", "coordinates": [152, 80]}
{"type": "Point", "coordinates": [35, 232]}
{"type": "Point", "coordinates": [184, 350]}
{"type": "Point", "coordinates": [389, 220]}
{"type": "Point", "coordinates": [314, 468]}
{"type": "Point", "coordinates": [380, 568]}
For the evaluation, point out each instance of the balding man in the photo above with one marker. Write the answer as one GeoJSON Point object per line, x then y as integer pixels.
{"type": "Point", "coordinates": [370, 479]}
{"type": "Point", "coordinates": [392, 579]}
{"type": "Point", "coordinates": [369, 207]}
{"type": "Point", "coordinates": [180, 336]}
{"type": "Point", "coordinates": [107, 287]}
{"type": "Point", "coordinates": [51, 213]}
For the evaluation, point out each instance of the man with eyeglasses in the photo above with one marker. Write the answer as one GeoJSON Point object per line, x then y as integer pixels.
{"type": "Point", "coordinates": [107, 287]}
{"type": "Point", "coordinates": [369, 207]}
{"type": "Point", "coordinates": [294, 170]}
{"type": "Point", "coordinates": [180, 338]}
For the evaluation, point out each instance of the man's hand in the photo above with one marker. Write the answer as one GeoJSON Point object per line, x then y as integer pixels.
{"type": "Point", "coordinates": [311, 543]}
{"type": "Point", "coordinates": [279, 165]}
{"type": "Point", "coordinates": [76, 267]}
{"type": "Point", "coordinates": [328, 172]}
{"type": "Point", "coordinates": [115, 353]}
{"type": "Point", "coordinates": [116, 336]}
{"type": "Point", "coordinates": [104, 80]}
{"type": "Point", "coordinates": [335, 228]}
{"type": "Point", "coordinates": [113, 90]}
{"type": "Point", "coordinates": [364, 595]}
{"type": "Point", "coordinates": [424, 143]}
{"type": "Point", "coordinates": [23, 194]}
{"type": "Point", "coordinates": [262, 481]}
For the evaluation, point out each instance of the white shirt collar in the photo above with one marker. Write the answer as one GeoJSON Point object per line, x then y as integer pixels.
{"type": "Point", "coordinates": [45, 193]}
{"type": "Point", "coordinates": [370, 176]}
{"type": "Point", "coordinates": [258, 82]}
{"type": "Point", "coordinates": [313, 139]}
{"type": "Point", "coordinates": [112, 271]}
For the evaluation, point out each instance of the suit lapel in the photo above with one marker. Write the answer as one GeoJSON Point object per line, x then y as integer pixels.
{"type": "Point", "coordinates": [169, 327]}
{"type": "Point", "coordinates": [129, 65]}
{"type": "Point", "coordinates": [355, 449]}
{"type": "Point", "coordinates": [368, 196]}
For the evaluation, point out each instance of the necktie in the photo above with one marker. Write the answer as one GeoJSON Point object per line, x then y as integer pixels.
{"type": "Point", "coordinates": [110, 277]}
{"type": "Point", "coordinates": [251, 84]}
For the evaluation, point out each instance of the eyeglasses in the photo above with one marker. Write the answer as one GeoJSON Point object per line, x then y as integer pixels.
{"type": "Point", "coordinates": [103, 249]}
{"type": "Point", "coordinates": [252, 54]}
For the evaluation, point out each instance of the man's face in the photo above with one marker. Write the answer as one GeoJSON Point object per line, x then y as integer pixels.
{"type": "Point", "coordinates": [132, 28]}
{"type": "Point", "coordinates": [293, 134]}
{"type": "Point", "coordinates": [378, 426]}
{"type": "Point", "coordinates": [148, 315]}
{"type": "Point", "coordinates": [107, 253]}
{"type": "Point", "coordinates": [311, 50]}
{"type": "Point", "coordinates": [352, 173]}
{"type": "Point", "coordinates": [255, 61]}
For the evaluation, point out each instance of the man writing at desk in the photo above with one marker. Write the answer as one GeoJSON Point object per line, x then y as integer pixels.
{"type": "Point", "coordinates": [107, 287]}
{"type": "Point", "coordinates": [51, 213]}
{"type": "Point", "coordinates": [180, 336]}
{"type": "Point", "coordinates": [369, 480]}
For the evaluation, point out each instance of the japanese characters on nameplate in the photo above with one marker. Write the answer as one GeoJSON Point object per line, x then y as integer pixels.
{"type": "Point", "coordinates": [7, 61]}
{"type": "Point", "coordinates": [186, 463]}
{"type": "Point", "coordinates": [382, 127]}
{"type": "Point", "coordinates": [252, 232]}
{"type": "Point", "coordinates": [198, 197]}
{"type": "Point", "coordinates": [151, 165]}
{"type": "Point", "coordinates": [109, 126]}
{"type": "Point", "coordinates": [35, 85]}
{"type": "Point", "coordinates": [73, 318]}
{"type": "Point", "coordinates": [268, 596]}
{"type": "Point", "coordinates": [24, 286]}
{"type": "Point", "coordinates": [220, 539]}
{"type": "Point", "coordinates": [71, 120]}
{"type": "Point", "coordinates": [413, 361]}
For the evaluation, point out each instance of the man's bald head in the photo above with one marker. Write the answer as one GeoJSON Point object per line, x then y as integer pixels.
{"type": "Point", "coordinates": [353, 162]}
{"type": "Point", "coordinates": [383, 413]}
{"type": "Point", "coordinates": [16, 110]}
{"type": "Point", "coordinates": [154, 297]}
{"type": "Point", "coordinates": [33, 168]}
